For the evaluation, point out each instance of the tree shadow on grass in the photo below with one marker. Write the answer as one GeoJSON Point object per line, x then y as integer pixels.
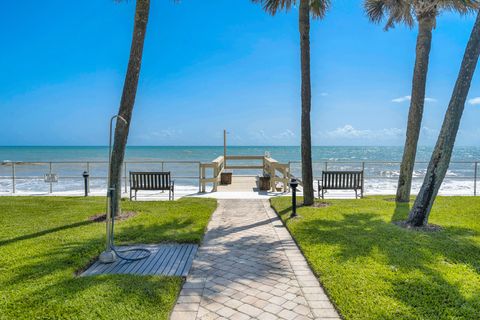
{"type": "Point", "coordinates": [45, 232]}
{"type": "Point", "coordinates": [100, 297]}
{"type": "Point", "coordinates": [247, 243]}
{"type": "Point", "coordinates": [414, 255]}
{"type": "Point", "coordinates": [177, 230]}
{"type": "Point", "coordinates": [45, 279]}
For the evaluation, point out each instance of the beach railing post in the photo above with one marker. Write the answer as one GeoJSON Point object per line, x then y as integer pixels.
{"type": "Point", "coordinates": [475, 180]}
{"type": "Point", "coordinates": [13, 177]}
{"type": "Point", "coordinates": [363, 178]}
{"type": "Point", "coordinates": [199, 177]}
{"type": "Point", "coordinates": [50, 172]}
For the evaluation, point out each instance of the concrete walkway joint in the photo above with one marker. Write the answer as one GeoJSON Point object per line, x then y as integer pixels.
{"type": "Point", "coordinates": [249, 267]}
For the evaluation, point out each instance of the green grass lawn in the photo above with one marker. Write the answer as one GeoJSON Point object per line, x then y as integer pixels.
{"type": "Point", "coordinates": [373, 269]}
{"type": "Point", "coordinates": [45, 240]}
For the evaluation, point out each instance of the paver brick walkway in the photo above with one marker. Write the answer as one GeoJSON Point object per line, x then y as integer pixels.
{"type": "Point", "coordinates": [250, 268]}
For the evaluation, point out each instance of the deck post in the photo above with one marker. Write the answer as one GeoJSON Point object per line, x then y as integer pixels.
{"type": "Point", "coordinates": [215, 174]}
{"type": "Point", "coordinates": [203, 181]}
{"type": "Point", "coordinates": [272, 177]}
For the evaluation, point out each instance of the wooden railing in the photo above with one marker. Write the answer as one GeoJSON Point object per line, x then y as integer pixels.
{"type": "Point", "coordinates": [217, 165]}
{"type": "Point", "coordinates": [272, 167]}
{"type": "Point", "coordinates": [278, 172]}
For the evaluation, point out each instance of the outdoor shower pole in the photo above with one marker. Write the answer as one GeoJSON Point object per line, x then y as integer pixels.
{"type": "Point", "coordinates": [109, 256]}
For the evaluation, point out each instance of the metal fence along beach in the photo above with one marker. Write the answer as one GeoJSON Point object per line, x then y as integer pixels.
{"type": "Point", "coordinates": [67, 176]}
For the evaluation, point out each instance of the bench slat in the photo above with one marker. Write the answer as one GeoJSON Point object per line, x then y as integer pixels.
{"type": "Point", "coordinates": [150, 181]}
{"type": "Point", "coordinates": [342, 180]}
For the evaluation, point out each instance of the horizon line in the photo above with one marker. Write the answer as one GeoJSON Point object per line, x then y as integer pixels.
{"type": "Point", "coordinates": [209, 146]}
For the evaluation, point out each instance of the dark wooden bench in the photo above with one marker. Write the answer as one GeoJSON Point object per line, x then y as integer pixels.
{"type": "Point", "coordinates": [153, 181]}
{"type": "Point", "coordinates": [341, 180]}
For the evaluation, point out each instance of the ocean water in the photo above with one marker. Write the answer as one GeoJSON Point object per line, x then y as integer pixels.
{"type": "Point", "coordinates": [381, 165]}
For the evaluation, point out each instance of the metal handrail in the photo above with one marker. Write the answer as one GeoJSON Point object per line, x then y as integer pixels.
{"type": "Point", "coordinates": [363, 164]}
{"type": "Point", "coordinates": [85, 164]}
{"type": "Point", "coordinates": [15, 165]}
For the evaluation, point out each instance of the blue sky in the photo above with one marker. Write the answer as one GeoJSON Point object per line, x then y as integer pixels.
{"type": "Point", "coordinates": [210, 65]}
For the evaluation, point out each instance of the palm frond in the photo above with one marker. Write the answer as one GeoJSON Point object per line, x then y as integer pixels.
{"type": "Point", "coordinates": [407, 11]}
{"type": "Point", "coordinates": [273, 6]}
{"type": "Point", "coordinates": [318, 8]}
{"type": "Point", "coordinates": [460, 6]}
{"type": "Point", "coordinates": [375, 10]}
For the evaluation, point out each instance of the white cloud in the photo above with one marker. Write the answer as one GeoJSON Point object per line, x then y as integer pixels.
{"type": "Point", "coordinates": [160, 135]}
{"type": "Point", "coordinates": [349, 132]}
{"type": "Point", "coordinates": [324, 94]}
{"type": "Point", "coordinates": [408, 98]}
{"type": "Point", "coordinates": [430, 133]}
{"type": "Point", "coordinates": [402, 99]}
{"type": "Point", "coordinates": [166, 133]}
{"type": "Point", "coordinates": [474, 101]}
{"type": "Point", "coordinates": [263, 134]}
{"type": "Point", "coordinates": [285, 134]}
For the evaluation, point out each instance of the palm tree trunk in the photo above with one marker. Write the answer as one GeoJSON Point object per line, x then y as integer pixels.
{"type": "Point", "coordinates": [307, 174]}
{"type": "Point", "coordinates": [128, 99]}
{"type": "Point", "coordinates": [424, 43]}
{"type": "Point", "coordinates": [442, 153]}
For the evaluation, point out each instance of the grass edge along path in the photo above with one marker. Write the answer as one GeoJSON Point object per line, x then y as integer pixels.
{"type": "Point", "coordinates": [45, 240]}
{"type": "Point", "coordinates": [373, 269]}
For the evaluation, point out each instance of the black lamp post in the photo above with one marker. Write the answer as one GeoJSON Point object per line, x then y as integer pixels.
{"type": "Point", "coordinates": [294, 185]}
{"type": "Point", "coordinates": [85, 178]}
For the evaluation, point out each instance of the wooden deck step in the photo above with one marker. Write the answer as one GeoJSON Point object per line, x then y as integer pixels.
{"type": "Point", "coordinates": [166, 259]}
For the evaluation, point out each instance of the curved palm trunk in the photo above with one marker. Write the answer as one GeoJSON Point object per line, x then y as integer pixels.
{"type": "Point", "coordinates": [424, 43]}
{"type": "Point", "coordinates": [128, 99]}
{"type": "Point", "coordinates": [307, 172]}
{"type": "Point", "coordinates": [442, 153]}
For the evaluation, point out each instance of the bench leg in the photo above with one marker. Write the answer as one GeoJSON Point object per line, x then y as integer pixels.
{"type": "Point", "coordinates": [136, 195]}
{"type": "Point", "coordinates": [130, 194]}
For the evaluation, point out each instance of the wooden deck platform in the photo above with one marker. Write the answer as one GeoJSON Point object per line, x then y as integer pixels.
{"type": "Point", "coordinates": [166, 259]}
{"type": "Point", "coordinates": [240, 184]}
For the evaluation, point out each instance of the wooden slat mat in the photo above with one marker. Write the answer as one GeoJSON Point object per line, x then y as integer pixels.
{"type": "Point", "coordinates": [166, 259]}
